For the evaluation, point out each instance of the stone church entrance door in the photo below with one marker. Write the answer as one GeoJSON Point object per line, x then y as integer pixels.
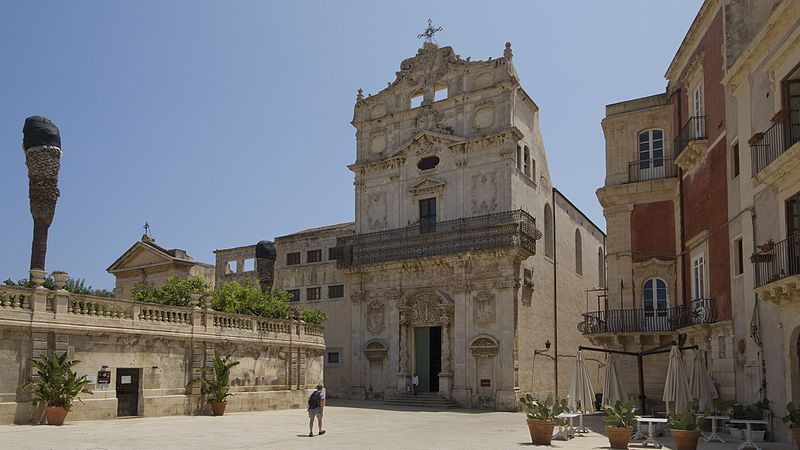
{"type": "Point", "coordinates": [428, 357]}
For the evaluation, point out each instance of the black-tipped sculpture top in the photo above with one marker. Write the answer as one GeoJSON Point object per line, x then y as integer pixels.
{"type": "Point", "coordinates": [265, 250]}
{"type": "Point", "coordinates": [38, 131]}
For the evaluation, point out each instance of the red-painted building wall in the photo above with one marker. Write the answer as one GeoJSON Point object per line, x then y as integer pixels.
{"type": "Point", "coordinates": [704, 204]}
{"type": "Point", "coordinates": [653, 231]}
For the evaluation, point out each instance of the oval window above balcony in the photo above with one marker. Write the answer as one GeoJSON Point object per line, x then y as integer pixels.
{"type": "Point", "coordinates": [428, 163]}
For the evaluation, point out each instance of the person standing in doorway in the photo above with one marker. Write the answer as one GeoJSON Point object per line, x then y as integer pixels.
{"type": "Point", "coordinates": [414, 384]}
{"type": "Point", "coordinates": [316, 404]}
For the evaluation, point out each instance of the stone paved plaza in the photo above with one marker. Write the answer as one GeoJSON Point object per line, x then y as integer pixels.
{"type": "Point", "coordinates": [349, 425]}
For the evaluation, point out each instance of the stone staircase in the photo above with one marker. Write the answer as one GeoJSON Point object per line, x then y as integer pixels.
{"type": "Point", "coordinates": [421, 400]}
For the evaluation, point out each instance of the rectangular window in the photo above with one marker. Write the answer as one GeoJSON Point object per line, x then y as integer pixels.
{"type": "Point", "coordinates": [313, 293]}
{"type": "Point", "coordinates": [292, 258]}
{"type": "Point", "coordinates": [331, 253]}
{"type": "Point", "coordinates": [336, 291]}
{"type": "Point", "coordinates": [249, 264]}
{"type": "Point", "coordinates": [699, 276]}
{"type": "Point", "coordinates": [295, 293]}
{"type": "Point", "coordinates": [427, 215]}
{"type": "Point", "coordinates": [313, 256]}
{"type": "Point", "coordinates": [738, 257]}
{"type": "Point", "coordinates": [333, 357]}
{"type": "Point", "coordinates": [735, 160]}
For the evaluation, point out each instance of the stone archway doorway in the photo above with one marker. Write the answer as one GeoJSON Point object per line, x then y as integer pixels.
{"type": "Point", "coordinates": [425, 320]}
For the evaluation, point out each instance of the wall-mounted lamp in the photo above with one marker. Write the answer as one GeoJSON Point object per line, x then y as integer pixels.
{"type": "Point", "coordinates": [546, 348]}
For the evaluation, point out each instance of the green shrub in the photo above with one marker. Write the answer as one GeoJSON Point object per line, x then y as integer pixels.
{"type": "Point", "coordinates": [621, 415]}
{"type": "Point", "coordinates": [543, 410]}
{"type": "Point", "coordinates": [793, 418]}
{"type": "Point", "coordinates": [215, 380]}
{"type": "Point", "coordinates": [55, 383]}
{"type": "Point", "coordinates": [74, 286]}
{"type": "Point", "coordinates": [174, 293]}
{"type": "Point", "coordinates": [315, 316]}
{"type": "Point", "coordinates": [245, 298]}
{"type": "Point", "coordinates": [685, 420]}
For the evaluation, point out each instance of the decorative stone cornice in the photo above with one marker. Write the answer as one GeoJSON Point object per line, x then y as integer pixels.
{"type": "Point", "coordinates": [692, 155]}
{"type": "Point", "coordinates": [782, 292]}
{"type": "Point", "coordinates": [625, 195]}
{"type": "Point", "coordinates": [427, 186]}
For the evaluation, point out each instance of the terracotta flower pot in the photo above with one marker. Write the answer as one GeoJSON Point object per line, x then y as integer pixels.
{"type": "Point", "coordinates": [685, 439]}
{"type": "Point", "coordinates": [218, 408]}
{"type": "Point", "coordinates": [541, 431]}
{"type": "Point", "coordinates": [619, 437]}
{"type": "Point", "coordinates": [796, 434]}
{"type": "Point", "coordinates": [55, 415]}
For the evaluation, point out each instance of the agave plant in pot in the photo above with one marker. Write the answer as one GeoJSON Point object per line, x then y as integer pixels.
{"type": "Point", "coordinates": [793, 419]}
{"type": "Point", "coordinates": [542, 416]}
{"type": "Point", "coordinates": [684, 429]}
{"type": "Point", "coordinates": [214, 383]}
{"type": "Point", "coordinates": [621, 421]}
{"type": "Point", "coordinates": [55, 386]}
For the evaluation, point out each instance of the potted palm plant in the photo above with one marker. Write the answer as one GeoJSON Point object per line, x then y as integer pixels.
{"type": "Point", "coordinates": [214, 383]}
{"type": "Point", "coordinates": [793, 419]}
{"type": "Point", "coordinates": [541, 417]}
{"type": "Point", "coordinates": [55, 386]}
{"type": "Point", "coordinates": [621, 421]}
{"type": "Point", "coordinates": [684, 429]}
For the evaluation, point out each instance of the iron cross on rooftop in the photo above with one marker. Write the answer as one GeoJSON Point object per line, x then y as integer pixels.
{"type": "Point", "coordinates": [429, 32]}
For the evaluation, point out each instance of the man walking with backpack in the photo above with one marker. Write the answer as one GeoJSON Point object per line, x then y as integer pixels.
{"type": "Point", "coordinates": [316, 403]}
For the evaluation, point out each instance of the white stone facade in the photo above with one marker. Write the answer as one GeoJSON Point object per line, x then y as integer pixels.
{"type": "Point", "coordinates": [443, 242]}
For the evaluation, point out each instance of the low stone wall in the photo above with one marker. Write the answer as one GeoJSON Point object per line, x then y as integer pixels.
{"type": "Point", "coordinates": [161, 348]}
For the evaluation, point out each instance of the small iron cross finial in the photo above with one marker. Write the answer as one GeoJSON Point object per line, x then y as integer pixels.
{"type": "Point", "coordinates": [429, 32]}
{"type": "Point", "coordinates": [146, 229]}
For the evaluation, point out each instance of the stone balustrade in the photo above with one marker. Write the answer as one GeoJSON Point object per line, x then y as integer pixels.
{"type": "Point", "coordinates": [61, 308]}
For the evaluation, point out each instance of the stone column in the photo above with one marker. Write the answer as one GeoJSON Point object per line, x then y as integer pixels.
{"type": "Point", "coordinates": [402, 376]}
{"type": "Point", "coordinates": [446, 375]}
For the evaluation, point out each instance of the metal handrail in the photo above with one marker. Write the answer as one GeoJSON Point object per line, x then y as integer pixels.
{"type": "Point", "coordinates": [694, 129]}
{"type": "Point", "coordinates": [777, 261]}
{"type": "Point", "coordinates": [652, 169]}
{"type": "Point", "coordinates": [768, 146]}
{"type": "Point", "coordinates": [699, 311]}
{"type": "Point", "coordinates": [503, 229]}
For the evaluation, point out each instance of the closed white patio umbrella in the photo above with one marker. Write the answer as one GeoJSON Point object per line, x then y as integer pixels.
{"type": "Point", "coordinates": [612, 387]}
{"type": "Point", "coordinates": [676, 388]}
{"type": "Point", "coordinates": [581, 393]}
{"type": "Point", "coordinates": [701, 385]}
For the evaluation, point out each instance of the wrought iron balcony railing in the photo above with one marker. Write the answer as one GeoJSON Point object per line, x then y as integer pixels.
{"type": "Point", "coordinates": [767, 146]}
{"type": "Point", "coordinates": [700, 311]}
{"type": "Point", "coordinates": [652, 169]}
{"type": "Point", "coordinates": [694, 129]}
{"type": "Point", "coordinates": [777, 261]}
{"type": "Point", "coordinates": [491, 231]}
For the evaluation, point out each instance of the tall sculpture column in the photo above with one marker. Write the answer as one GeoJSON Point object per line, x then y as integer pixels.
{"type": "Point", "coordinates": [42, 145]}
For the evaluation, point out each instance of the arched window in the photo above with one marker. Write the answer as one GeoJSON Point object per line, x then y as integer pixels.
{"type": "Point", "coordinates": [601, 267]}
{"type": "Point", "coordinates": [519, 157]}
{"type": "Point", "coordinates": [578, 253]}
{"type": "Point", "coordinates": [651, 154]}
{"type": "Point", "coordinates": [548, 231]}
{"type": "Point", "coordinates": [654, 297]}
{"type": "Point", "coordinates": [526, 161]}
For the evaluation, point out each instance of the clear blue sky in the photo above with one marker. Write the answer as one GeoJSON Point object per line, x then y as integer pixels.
{"type": "Point", "coordinates": [224, 123]}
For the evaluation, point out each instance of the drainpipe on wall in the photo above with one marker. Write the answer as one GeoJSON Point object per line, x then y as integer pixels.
{"type": "Point", "coordinates": [555, 294]}
{"type": "Point", "coordinates": [755, 325]}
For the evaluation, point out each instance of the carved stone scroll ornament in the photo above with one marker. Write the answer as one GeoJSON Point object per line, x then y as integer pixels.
{"type": "Point", "coordinates": [376, 316]}
{"type": "Point", "coordinates": [428, 308]}
{"type": "Point", "coordinates": [484, 347]}
{"type": "Point", "coordinates": [483, 308]}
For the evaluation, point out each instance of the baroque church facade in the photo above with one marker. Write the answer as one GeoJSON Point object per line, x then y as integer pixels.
{"type": "Point", "coordinates": [463, 265]}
